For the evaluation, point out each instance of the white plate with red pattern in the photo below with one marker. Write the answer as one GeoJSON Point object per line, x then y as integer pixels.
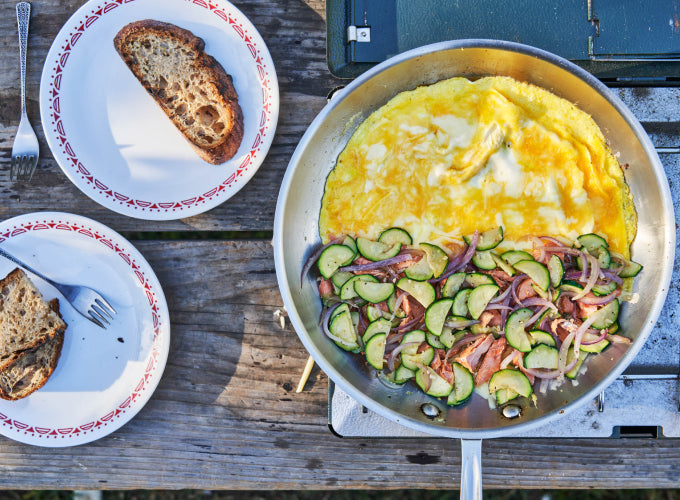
{"type": "Point", "coordinates": [103, 377]}
{"type": "Point", "coordinates": [115, 143]}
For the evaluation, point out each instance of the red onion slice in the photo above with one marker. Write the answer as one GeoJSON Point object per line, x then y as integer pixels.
{"type": "Point", "coordinates": [602, 335]}
{"type": "Point", "coordinates": [592, 278]}
{"type": "Point", "coordinates": [468, 339]}
{"type": "Point", "coordinates": [500, 307]}
{"type": "Point", "coordinates": [393, 355]}
{"type": "Point", "coordinates": [602, 300]}
{"type": "Point", "coordinates": [509, 358]}
{"type": "Point", "coordinates": [538, 301]}
{"type": "Point", "coordinates": [501, 297]}
{"type": "Point", "coordinates": [378, 264]}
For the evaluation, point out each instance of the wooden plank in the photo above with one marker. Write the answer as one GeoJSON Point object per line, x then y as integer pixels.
{"type": "Point", "coordinates": [226, 415]}
{"type": "Point", "coordinates": [295, 35]}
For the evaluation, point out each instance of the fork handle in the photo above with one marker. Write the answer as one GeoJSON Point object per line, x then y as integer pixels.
{"type": "Point", "coordinates": [23, 17]}
{"type": "Point", "coordinates": [11, 257]}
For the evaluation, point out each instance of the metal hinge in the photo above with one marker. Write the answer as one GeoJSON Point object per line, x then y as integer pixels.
{"type": "Point", "coordinates": [358, 34]}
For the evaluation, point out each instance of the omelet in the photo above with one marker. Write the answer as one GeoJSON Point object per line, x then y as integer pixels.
{"type": "Point", "coordinates": [445, 159]}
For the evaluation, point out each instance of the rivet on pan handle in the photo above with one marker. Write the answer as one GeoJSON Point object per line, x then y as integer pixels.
{"type": "Point", "coordinates": [471, 469]}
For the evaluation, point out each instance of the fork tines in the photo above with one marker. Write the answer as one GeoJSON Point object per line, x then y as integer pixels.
{"type": "Point", "coordinates": [22, 167]}
{"type": "Point", "coordinates": [101, 312]}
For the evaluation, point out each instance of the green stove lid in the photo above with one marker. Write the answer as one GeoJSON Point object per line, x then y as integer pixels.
{"type": "Point", "coordinates": [623, 42]}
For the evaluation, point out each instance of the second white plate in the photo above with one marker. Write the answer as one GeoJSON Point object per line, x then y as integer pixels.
{"type": "Point", "coordinates": [115, 143]}
{"type": "Point", "coordinates": [103, 377]}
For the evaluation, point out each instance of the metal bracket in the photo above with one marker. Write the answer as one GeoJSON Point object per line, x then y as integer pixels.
{"type": "Point", "coordinates": [358, 34]}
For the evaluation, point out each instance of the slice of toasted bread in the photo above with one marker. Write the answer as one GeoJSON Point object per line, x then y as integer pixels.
{"type": "Point", "coordinates": [31, 369]}
{"type": "Point", "coordinates": [190, 86]}
{"type": "Point", "coordinates": [26, 320]}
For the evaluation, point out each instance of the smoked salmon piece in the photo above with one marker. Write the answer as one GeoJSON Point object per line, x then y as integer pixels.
{"type": "Point", "coordinates": [491, 362]}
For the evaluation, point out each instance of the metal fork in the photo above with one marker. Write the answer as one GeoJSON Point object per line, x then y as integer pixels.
{"type": "Point", "coordinates": [89, 303]}
{"type": "Point", "coordinates": [25, 149]}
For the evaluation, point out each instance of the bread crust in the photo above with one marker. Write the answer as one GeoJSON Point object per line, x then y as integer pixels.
{"type": "Point", "coordinates": [217, 76]}
{"type": "Point", "coordinates": [52, 348]}
{"type": "Point", "coordinates": [28, 363]}
{"type": "Point", "coordinates": [14, 277]}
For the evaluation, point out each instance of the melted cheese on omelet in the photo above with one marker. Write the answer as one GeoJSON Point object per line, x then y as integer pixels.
{"type": "Point", "coordinates": [443, 160]}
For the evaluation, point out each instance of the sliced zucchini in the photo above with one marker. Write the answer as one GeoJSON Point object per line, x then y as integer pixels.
{"type": "Point", "coordinates": [596, 347]}
{"type": "Point", "coordinates": [379, 326]}
{"type": "Point", "coordinates": [478, 328]}
{"type": "Point", "coordinates": [436, 314]}
{"type": "Point", "coordinates": [463, 384]}
{"type": "Point", "coordinates": [333, 258]}
{"type": "Point", "coordinates": [555, 270]}
{"type": "Point", "coordinates": [484, 260]}
{"type": "Point", "coordinates": [505, 267]}
{"type": "Point", "coordinates": [604, 289]}
{"type": "Point", "coordinates": [591, 242]}
{"type": "Point", "coordinates": [347, 291]}
{"type": "Point", "coordinates": [377, 250]}
{"type": "Point", "coordinates": [515, 333]}
{"type": "Point", "coordinates": [372, 291]}
{"type": "Point", "coordinates": [541, 337]}
{"type": "Point", "coordinates": [351, 243]}
{"type": "Point", "coordinates": [413, 336]}
{"type": "Point", "coordinates": [340, 309]}
{"type": "Point", "coordinates": [536, 271]}
{"type": "Point", "coordinates": [375, 350]}
{"type": "Point", "coordinates": [422, 291]}
{"type": "Point", "coordinates": [603, 258]}
{"type": "Point", "coordinates": [434, 341]}
{"type": "Point", "coordinates": [571, 286]}
{"type": "Point", "coordinates": [341, 326]}
{"type": "Point", "coordinates": [514, 256]}
{"type": "Point", "coordinates": [431, 383]}
{"type": "Point", "coordinates": [476, 279]}
{"type": "Point", "coordinates": [630, 269]}
{"type": "Point", "coordinates": [410, 358]}
{"type": "Point", "coordinates": [460, 302]}
{"type": "Point", "coordinates": [453, 284]}
{"type": "Point", "coordinates": [395, 235]}
{"type": "Point", "coordinates": [339, 278]}
{"type": "Point", "coordinates": [402, 374]}
{"type": "Point", "coordinates": [505, 395]}
{"type": "Point", "coordinates": [542, 356]}
{"type": "Point", "coordinates": [419, 271]}
{"type": "Point", "coordinates": [397, 312]}
{"type": "Point", "coordinates": [606, 316]}
{"type": "Point", "coordinates": [479, 298]}
{"type": "Point", "coordinates": [488, 239]}
{"type": "Point", "coordinates": [450, 337]}
{"type": "Point", "coordinates": [509, 378]}
{"type": "Point", "coordinates": [582, 355]}
{"type": "Point", "coordinates": [373, 313]}
{"type": "Point", "coordinates": [436, 258]}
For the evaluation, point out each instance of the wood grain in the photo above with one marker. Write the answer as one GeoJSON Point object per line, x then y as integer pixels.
{"type": "Point", "coordinates": [294, 32]}
{"type": "Point", "coordinates": [226, 415]}
{"type": "Point", "coordinates": [295, 35]}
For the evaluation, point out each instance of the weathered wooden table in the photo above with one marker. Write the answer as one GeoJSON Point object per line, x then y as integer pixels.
{"type": "Point", "coordinates": [226, 414]}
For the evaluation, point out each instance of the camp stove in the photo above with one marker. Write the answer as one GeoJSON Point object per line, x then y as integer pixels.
{"type": "Point", "coordinates": [623, 43]}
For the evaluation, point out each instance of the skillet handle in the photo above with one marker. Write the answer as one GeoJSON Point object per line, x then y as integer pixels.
{"type": "Point", "coordinates": [471, 473]}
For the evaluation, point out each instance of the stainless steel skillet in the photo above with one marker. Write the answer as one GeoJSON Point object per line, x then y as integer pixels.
{"type": "Point", "coordinates": [296, 231]}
